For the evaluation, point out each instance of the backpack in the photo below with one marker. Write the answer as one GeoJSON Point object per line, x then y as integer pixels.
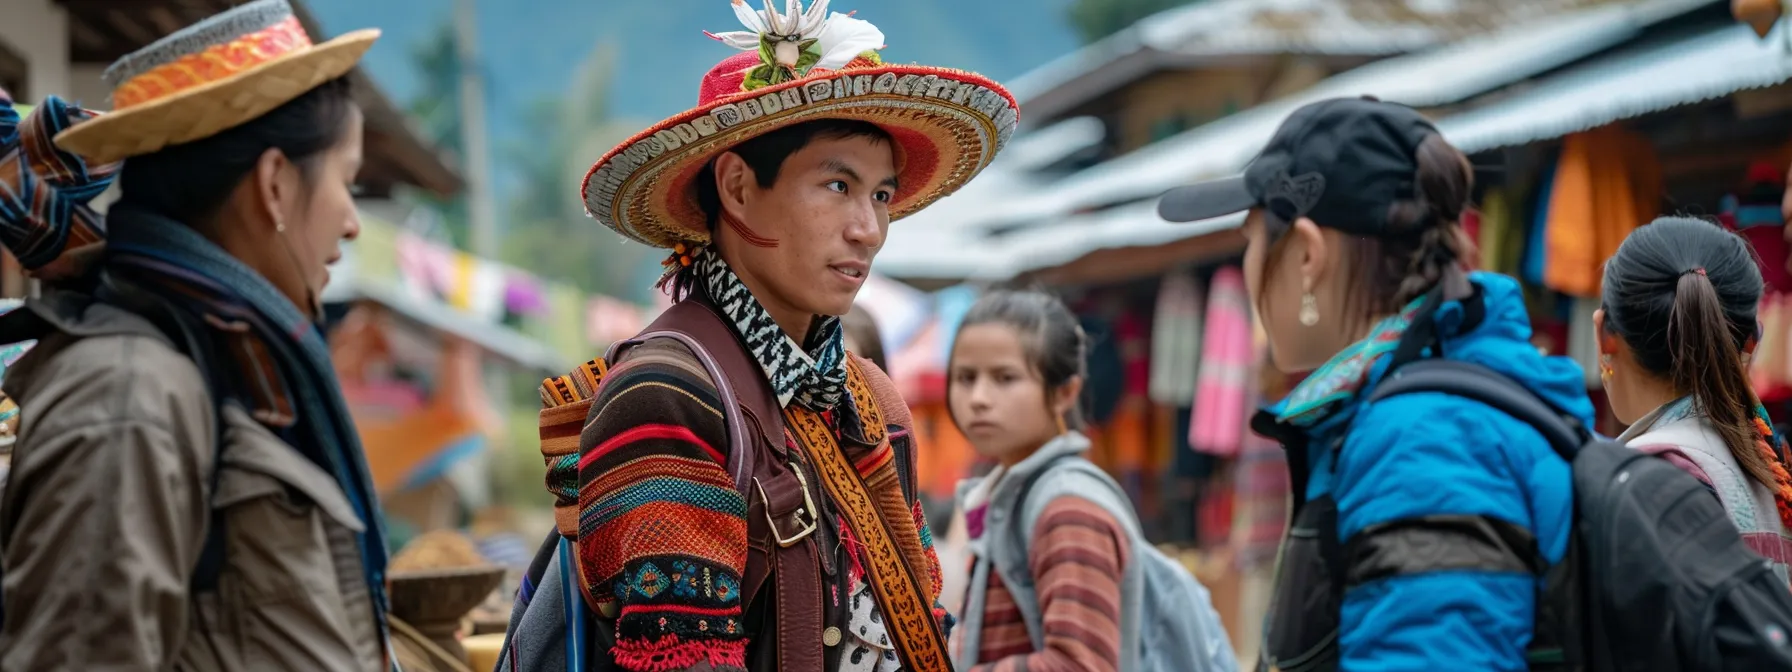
{"type": "Point", "coordinates": [551, 626]}
{"type": "Point", "coordinates": [1179, 630]}
{"type": "Point", "coordinates": [188, 335]}
{"type": "Point", "coordinates": [1656, 576]}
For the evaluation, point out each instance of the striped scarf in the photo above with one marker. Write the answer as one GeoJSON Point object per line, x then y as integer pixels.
{"type": "Point", "coordinates": [44, 217]}
{"type": "Point", "coordinates": [287, 355]}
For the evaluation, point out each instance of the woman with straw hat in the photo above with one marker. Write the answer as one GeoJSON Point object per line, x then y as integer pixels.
{"type": "Point", "coordinates": [187, 489]}
{"type": "Point", "coordinates": [677, 487]}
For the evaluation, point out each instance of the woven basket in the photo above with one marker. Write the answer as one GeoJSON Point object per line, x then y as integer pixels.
{"type": "Point", "coordinates": [213, 107]}
{"type": "Point", "coordinates": [430, 597]}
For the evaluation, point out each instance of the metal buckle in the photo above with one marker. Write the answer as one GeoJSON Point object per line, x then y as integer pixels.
{"type": "Point", "coordinates": [808, 510]}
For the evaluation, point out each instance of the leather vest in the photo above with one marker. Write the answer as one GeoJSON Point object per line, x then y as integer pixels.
{"type": "Point", "coordinates": [795, 560]}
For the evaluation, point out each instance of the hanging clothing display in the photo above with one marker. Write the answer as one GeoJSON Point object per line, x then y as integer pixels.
{"type": "Point", "coordinates": [1176, 339]}
{"type": "Point", "coordinates": [1536, 253]}
{"type": "Point", "coordinates": [1754, 213]}
{"type": "Point", "coordinates": [1107, 371]}
{"type": "Point", "coordinates": [1770, 368]}
{"type": "Point", "coordinates": [1501, 237]}
{"type": "Point", "coordinates": [1220, 397]}
{"type": "Point", "coordinates": [1607, 183]}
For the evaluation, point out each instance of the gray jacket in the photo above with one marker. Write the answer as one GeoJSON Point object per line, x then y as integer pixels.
{"type": "Point", "coordinates": [106, 510]}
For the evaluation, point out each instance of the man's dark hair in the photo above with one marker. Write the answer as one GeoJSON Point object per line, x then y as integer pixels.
{"type": "Point", "coordinates": [190, 182]}
{"type": "Point", "coordinates": [766, 154]}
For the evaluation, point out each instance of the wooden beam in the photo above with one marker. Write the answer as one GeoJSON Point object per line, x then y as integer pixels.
{"type": "Point", "coordinates": [128, 25]}
{"type": "Point", "coordinates": [164, 20]}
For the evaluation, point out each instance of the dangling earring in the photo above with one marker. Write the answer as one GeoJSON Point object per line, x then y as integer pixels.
{"type": "Point", "coordinates": [279, 226]}
{"type": "Point", "coordinates": [1605, 368]}
{"type": "Point", "coordinates": [1309, 309]}
{"type": "Point", "coordinates": [1063, 427]}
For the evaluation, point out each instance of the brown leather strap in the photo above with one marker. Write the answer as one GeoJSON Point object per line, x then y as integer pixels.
{"type": "Point", "coordinates": [777, 505]}
{"type": "Point", "coordinates": [905, 604]}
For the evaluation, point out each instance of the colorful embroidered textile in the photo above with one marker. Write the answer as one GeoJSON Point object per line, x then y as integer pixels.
{"type": "Point", "coordinates": [814, 377]}
{"type": "Point", "coordinates": [1343, 376]}
{"type": "Point", "coordinates": [44, 191]}
{"type": "Point", "coordinates": [661, 529]}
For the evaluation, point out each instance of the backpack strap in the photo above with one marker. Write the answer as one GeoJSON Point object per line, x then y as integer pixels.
{"type": "Point", "coordinates": [740, 453]}
{"type": "Point", "coordinates": [193, 341]}
{"type": "Point", "coordinates": [1557, 638]}
{"type": "Point", "coordinates": [1472, 381]}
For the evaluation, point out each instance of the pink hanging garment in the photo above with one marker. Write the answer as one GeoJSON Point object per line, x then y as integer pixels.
{"type": "Point", "coordinates": [1221, 390]}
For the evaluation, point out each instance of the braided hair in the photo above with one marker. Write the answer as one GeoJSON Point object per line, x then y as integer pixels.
{"type": "Point", "coordinates": [1424, 242]}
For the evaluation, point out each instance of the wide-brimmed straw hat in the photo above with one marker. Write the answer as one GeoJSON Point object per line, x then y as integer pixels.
{"type": "Point", "coordinates": [801, 65]}
{"type": "Point", "coordinates": [212, 76]}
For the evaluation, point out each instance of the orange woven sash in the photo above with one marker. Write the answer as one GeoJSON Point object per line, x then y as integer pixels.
{"type": "Point", "coordinates": [902, 597]}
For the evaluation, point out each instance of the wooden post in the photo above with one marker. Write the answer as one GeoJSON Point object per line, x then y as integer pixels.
{"type": "Point", "coordinates": [12, 277]}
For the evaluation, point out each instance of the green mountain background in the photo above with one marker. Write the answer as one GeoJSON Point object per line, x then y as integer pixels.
{"type": "Point", "coordinates": [530, 50]}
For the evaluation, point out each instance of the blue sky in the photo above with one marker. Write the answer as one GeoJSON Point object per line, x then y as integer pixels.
{"type": "Point", "coordinates": [531, 48]}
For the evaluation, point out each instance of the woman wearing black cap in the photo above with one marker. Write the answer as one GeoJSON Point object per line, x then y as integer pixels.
{"type": "Point", "coordinates": [1354, 263]}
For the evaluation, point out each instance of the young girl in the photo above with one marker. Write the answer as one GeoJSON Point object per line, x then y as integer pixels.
{"type": "Point", "coordinates": [1395, 559]}
{"type": "Point", "coordinates": [1676, 328]}
{"type": "Point", "coordinates": [1015, 373]}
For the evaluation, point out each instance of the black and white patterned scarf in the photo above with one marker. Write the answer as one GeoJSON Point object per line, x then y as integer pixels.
{"type": "Point", "coordinates": [814, 378]}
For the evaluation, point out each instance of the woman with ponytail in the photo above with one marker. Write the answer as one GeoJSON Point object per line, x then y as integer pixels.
{"type": "Point", "coordinates": [1676, 331]}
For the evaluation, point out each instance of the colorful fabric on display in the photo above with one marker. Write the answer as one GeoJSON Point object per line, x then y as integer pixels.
{"type": "Point", "coordinates": [1536, 249]}
{"type": "Point", "coordinates": [1176, 339]}
{"type": "Point", "coordinates": [1226, 358]}
{"type": "Point", "coordinates": [1607, 183]}
{"type": "Point", "coordinates": [44, 217]}
{"type": "Point", "coordinates": [1339, 379]}
{"type": "Point", "coordinates": [1502, 233]}
{"type": "Point", "coordinates": [1107, 371]}
{"type": "Point", "coordinates": [813, 377]}
{"type": "Point", "coordinates": [1755, 214]}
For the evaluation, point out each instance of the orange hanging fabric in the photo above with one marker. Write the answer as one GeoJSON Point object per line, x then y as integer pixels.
{"type": "Point", "coordinates": [1607, 183]}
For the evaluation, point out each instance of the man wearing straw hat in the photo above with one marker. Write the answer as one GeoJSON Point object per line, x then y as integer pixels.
{"type": "Point", "coordinates": [741, 489]}
{"type": "Point", "coordinates": [187, 489]}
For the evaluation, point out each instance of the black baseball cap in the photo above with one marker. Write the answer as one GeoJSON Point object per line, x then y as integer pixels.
{"type": "Point", "coordinates": [1341, 162]}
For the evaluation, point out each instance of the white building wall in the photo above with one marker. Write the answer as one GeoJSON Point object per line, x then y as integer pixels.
{"type": "Point", "coordinates": [39, 30]}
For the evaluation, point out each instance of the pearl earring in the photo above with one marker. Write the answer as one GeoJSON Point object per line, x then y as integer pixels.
{"type": "Point", "coordinates": [1309, 309]}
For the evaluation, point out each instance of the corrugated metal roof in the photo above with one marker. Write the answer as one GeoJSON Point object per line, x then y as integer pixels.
{"type": "Point", "coordinates": [1647, 78]}
{"type": "Point", "coordinates": [1627, 83]}
{"type": "Point", "coordinates": [1444, 75]}
{"type": "Point", "coordinates": [1337, 27]}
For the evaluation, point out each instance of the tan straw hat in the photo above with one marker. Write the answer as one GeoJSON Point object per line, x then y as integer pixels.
{"type": "Point", "coordinates": [801, 64]}
{"type": "Point", "coordinates": [209, 77]}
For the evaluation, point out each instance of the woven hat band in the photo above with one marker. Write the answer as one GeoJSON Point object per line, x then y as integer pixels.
{"type": "Point", "coordinates": [213, 63]}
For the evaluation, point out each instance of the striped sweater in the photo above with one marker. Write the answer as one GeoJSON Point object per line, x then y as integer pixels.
{"type": "Point", "coordinates": [1077, 558]}
{"type": "Point", "coordinates": [662, 533]}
